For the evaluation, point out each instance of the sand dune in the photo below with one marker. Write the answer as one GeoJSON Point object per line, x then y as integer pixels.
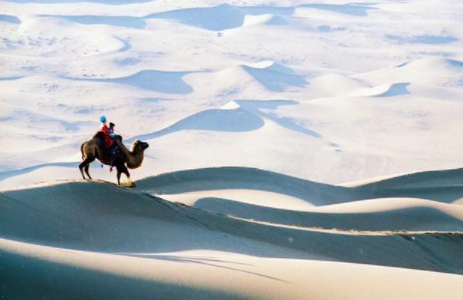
{"type": "Point", "coordinates": [122, 21]}
{"type": "Point", "coordinates": [10, 19]}
{"type": "Point", "coordinates": [244, 178]}
{"type": "Point", "coordinates": [428, 179]}
{"type": "Point", "coordinates": [447, 72]}
{"type": "Point", "coordinates": [105, 218]}
{"type": "Point", "coordinates": [418, 216]}
{"type": "Point", "coordinates": [164, 82]}
{"type": "Point", "coordinates": [317, 205]}
{"type": "Point", "coordinates": [217, 18]}
{"type": "Point", "coordinates": [235, 116]}
{"type": "Point", "coordinates": [440, 186]}
{"type": "Point", "coordinates": [109, 237]}
{"type": "Point", "coordinates": [83, 229]}
{"type": "Point", "coordinates": [290, 152]}
{"type": "Point", "coordinates": [263, 19]}
{"type": "Point", "coordinates": [207, 275]}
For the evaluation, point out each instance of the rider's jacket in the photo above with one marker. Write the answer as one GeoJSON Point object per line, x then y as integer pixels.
{"type": "Point", "coordinates": [107, 137]}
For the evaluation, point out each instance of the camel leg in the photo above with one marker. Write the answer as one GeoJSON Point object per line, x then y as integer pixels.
{"type": "Point", "coordinates": [119, 172]}
{"type": "Point", "coordinates": [81, 168]}
{"type": "Point", "coordinates": [87, 167]}
{"type": "Point", "coordinates": [84, 166]}
{"type": "Point", "coordinates": [127, 174]}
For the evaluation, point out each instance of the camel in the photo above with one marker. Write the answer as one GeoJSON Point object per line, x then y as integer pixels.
{"type": "Point", "coordinates": [95, 148]}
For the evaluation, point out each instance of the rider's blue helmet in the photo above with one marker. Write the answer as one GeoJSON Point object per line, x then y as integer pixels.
{"type": "Point", "coordinates": [102, 119]}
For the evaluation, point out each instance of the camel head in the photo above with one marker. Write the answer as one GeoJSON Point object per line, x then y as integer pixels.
{"type": "Point", "coordinates": [139, 146]}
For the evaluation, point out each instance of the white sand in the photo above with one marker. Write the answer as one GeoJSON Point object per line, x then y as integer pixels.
{"type": "Point", "coordinates": [109, 237]}
{"type": "Point", "coordinates": [330, 92]}
{"type": "Point", "coordinates": [346, 103]}
{"type": "Point", "coordinates": [200, 274]}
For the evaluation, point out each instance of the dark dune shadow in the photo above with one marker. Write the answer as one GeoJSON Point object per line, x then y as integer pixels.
{"type": "Point", "coordinates": [348, 9]}
{"type": "Point", "coordinates": [246, 118]}
{"type": "Point", "coordinates": [312, 192]}
{"type": "Point", "coordinates": [422, 39]}
{"type": "Point", "coordinates": [157, 81]}
{"type": "Point", "coordinates": [122, 21]}
{"type": "Point", "coordinates": [23, 277]}
{"type": "Point", "coordinates": [426, 179]}
{"type": "Point", "coordinates": [397, 89]}
{"type": "Point", "coordinates": [442, 185]}
{"type": "Point", "coordinates": [277, 78]}
{"type": "Point", "coordinates": [127, 45]}
{"type": "Point", "coordinates": [447, 62]}
{"type": "Point", "coordinates": [417, 218]}
{"type": "Point", "coordinates": [110, 219]}
{"type": "Point", "coordinates": [265, 10]}
{"type": "Point", "coordinates": [245, 178]}
{"type": "Point", "coordinates": [445, 185]}
{"type": "Point", "coordinates": [215, 18]}
{"type": "Point", "coordinates": [10, 78]}
{"type": "Point", "coordinates": [10, 19]}
{"type": "Point", "coordinates": [255, 107]}
{"type": "Point", "coordinates": [224, 120]}
{"type": "Point", "coordinates": [446, 194]}
{"type": "Point", "coordinates": [454, 63]}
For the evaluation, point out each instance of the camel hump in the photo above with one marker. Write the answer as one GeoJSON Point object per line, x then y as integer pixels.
{"type": "Point", "coordinates": [99, 135]}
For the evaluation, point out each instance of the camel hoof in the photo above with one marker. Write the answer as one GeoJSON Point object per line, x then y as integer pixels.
{"type": "Point", "coordinates": [129, 184]}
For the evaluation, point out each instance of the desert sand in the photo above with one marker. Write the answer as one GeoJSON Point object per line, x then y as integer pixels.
{"type": "Point", "coordinates": [306, 150]}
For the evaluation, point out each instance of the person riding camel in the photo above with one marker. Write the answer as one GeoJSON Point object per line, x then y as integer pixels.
{"type": "Point", "coordinates": [107, 137]}
{"type": "Point", "coordinates": [110, 140]}
{"type": "Point", "coordinates": [112, 134]}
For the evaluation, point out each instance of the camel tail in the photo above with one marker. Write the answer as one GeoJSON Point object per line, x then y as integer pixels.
{"type": "Point", "coordinates": [82, 151]}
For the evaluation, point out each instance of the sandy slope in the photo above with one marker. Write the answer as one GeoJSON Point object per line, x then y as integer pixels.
{"type": "Point", "coordinates": [261, 195]}
{"type": "Point", "coordinates": [358, 90]}
{"type": "Point", "coordinates": [298, 96]}
{"type": "Point", "coordinates": [113, 242]}
{"type": "Point", "coordinates": [106, 218]}
{"type": "Point", "coordinates": [207, 275]}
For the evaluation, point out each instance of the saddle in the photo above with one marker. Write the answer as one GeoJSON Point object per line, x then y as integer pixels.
{"type": "Point", "coordinates": [114, 151]}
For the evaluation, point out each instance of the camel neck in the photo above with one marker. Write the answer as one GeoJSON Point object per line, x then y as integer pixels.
{"type": "Point", "coordinates": [134, 158]}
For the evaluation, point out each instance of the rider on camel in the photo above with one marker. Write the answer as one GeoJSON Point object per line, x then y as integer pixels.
{"type": "Point", "coordinates": [107, 136]}
{"type": "Point", "coordinates": [110, 140]}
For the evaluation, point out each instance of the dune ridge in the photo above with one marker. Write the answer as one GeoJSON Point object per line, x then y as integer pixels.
{"type": "Point", "coordinates": [86, 228]}
{"type": "Point", "coordinates": [84, 203]}
{"type": "Point", "coordinates": [274, 128]}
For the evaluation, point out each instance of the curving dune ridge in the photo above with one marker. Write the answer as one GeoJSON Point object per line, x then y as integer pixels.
{"type": "Point", "coordinates": [291, 149]}
{"type": "Point", "coordinates": [54, 229]}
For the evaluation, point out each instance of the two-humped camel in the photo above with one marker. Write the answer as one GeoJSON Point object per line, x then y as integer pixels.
{"type": "Point", "coordinates": [95, 148]}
